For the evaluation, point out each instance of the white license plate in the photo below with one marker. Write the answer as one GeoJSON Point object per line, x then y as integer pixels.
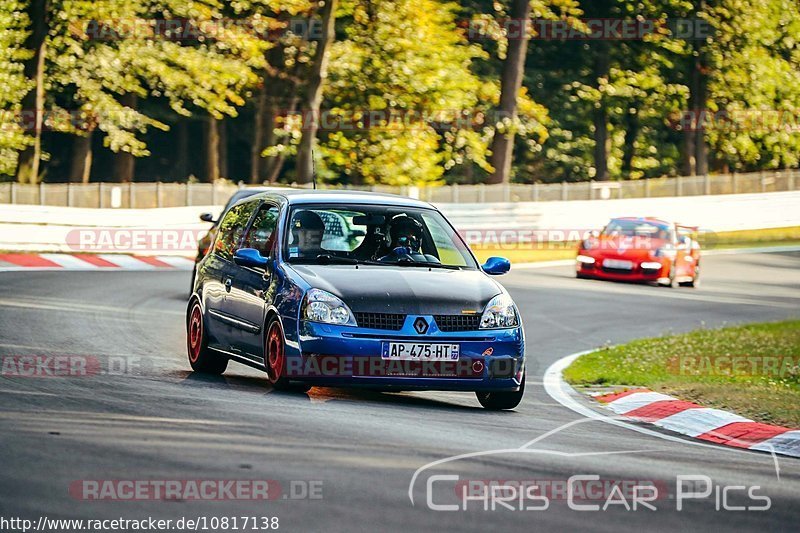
{"type": "Point", "coordinates": [419, 351]}
{"type": "Point", "coordinates": [616, 263]}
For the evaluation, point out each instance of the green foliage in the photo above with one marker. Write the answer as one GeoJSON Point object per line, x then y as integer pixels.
{"type": "Point", "coordinates": [412, 85]}
{"type": "Point", "coordinates": [13, 85]}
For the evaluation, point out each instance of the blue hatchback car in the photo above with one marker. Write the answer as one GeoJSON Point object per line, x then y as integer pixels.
{"type": "Point", "coordinates": [354, 289]}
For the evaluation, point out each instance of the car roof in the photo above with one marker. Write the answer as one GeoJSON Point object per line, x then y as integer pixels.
{"type": "Point", "coordinates": [645, 219]}
{"type": "Point", "coordinates": [306, 196]}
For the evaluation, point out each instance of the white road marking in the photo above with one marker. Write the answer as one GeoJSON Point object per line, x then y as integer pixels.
{"type": "Point", "coordinates": [127, 262]}
{"type": "Point", "coordinates": [182, 263]}
{"type": "Point", "coordinates": [787, 443]}
{"type": "Point", "coordinates": [560, 391]}
{"type": "Point", "coordinates": [636, 400]}
{"type": "Point", "coordinates": [694, 422]}
{"type": "Point", "coordinates": [68, 261]}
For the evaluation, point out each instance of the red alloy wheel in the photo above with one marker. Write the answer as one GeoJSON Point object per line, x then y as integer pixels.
{"type": "Point", "coordinates": [195, 333]}
{"type": "Point", "coordinates": [275, 352]}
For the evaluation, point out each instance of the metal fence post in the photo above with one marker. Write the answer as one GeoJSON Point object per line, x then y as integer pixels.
{"type": "Point", "coordinates": [188, 199]}
{"type": "Point", "coordinates": [41, 193]}
{"type": "Point", "coordinates": [763, 178]}
{"type": "Point", "coordinates": [591, 191]}
{"type": "Point", "coordinates": [13, 192]}
{"type": "Point", "coordinates": [131, 195]}
{"type": "Point", "coordinates": [733, 182]}
{"type": "Point", "coordinates": [482, 192]}
{"type": "Point", "coordinates": [678, 186]}
{"type": "Point", "coordinates": [647, 188]}
{"type": "Point", "coordinates": [790, 180]}
{"type": "Point", "coordinates": [535, 192]}
{"type": "Point", "coordinates": [158, 194]}
{"type": "Point", "coordinates": [100, 194]}
{"type": "Point", "coordinates": [706, 184]}
{"type": "Point", "coordinates": [506, 192]}
{"type": "Point", "coordinates": [564, 191]}
{"type": "Point", "coordinates": [69, 194]}
{"type": "Point", "coordinates": [213, 194]}
{"type": "Point", "coordinates": [454, 193]}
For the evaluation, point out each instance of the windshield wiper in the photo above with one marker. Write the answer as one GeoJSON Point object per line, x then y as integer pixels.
{"type": "Point", "coordinates": [410, 262]}
{"type": "Point", "coordinates": [324, 259]}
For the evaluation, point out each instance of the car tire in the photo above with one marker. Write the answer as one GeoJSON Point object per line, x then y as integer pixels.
{"type": "Point", "coordinates": [201, 357]}
{"type": "Point", "coordinates": [671, 283]}
{"type": "Point", "coordinates": [695, 280]}
{"type": "Point", "coordinates": [275, 359]}
{"type": "Point", "coordinates": [501, 400]}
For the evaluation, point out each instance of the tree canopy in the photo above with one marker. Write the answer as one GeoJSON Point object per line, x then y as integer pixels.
{"type": "Point", "coordinates": [404, 92]}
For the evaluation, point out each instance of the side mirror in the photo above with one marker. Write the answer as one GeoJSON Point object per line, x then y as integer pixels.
{"type": "Point", "coordinates": [207, 217]}
{"type": "Point", "coordinates": [496, 266]}
{"type": "Point", "coordinates": [250, 257]}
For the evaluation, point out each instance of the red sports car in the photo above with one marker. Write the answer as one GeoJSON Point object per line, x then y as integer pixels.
{"type": "Point", "coordinates": [641, 249]}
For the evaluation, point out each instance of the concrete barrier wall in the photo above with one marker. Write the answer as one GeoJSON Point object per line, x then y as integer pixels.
{"type": "Point", "coordinates": [45, 228]}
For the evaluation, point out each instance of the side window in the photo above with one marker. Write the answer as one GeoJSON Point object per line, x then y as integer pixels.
{"type": "Point", "coordinates": [262, 232]}
{"type": "Point", "coordinates": [231, 229]}
{"type": "Point", "coordinates": [450, 249]}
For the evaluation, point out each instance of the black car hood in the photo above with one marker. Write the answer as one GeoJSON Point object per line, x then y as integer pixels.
{"type": "Point", "coordinates": [406, 290]}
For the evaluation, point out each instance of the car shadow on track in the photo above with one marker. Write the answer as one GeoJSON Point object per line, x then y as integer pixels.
{"type": "Point", "coordinates": [319, 394]}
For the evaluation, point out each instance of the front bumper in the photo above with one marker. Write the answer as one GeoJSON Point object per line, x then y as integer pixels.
{"type": "Point", "coordinates": [649, 270]}
{"type": "Point", "coordinates": [324, 354]}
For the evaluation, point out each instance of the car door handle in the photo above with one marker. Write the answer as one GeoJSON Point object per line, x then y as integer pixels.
{"type": "Point", "coordinates": [228, 283]}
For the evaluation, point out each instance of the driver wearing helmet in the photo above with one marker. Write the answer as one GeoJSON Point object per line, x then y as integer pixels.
{"type": "Point", "coordinates": [405, 239]}
{"type": "Point", "coordinates": [307, 232]}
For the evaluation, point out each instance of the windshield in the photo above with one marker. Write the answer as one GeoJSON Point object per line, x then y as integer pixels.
{"type": "Point", "coordinates": [374, 234]}
{"type": "Point", "coordinates": [638, 228]}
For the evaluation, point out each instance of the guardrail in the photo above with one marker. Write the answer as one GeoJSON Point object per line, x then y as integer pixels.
{"type": "Point", "coordinates": [153, 195]}
{"type": "Point", "coordinates": [54, 229]}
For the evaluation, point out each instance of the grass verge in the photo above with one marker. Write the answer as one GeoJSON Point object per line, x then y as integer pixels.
{"type": "Point", "coordinates": [753, 370]}
{"type": "Point", "coordinates": [716, 241]}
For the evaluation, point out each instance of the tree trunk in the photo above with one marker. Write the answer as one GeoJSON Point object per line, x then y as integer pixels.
{"type": "Point", "coordinates": [602, 141]}
{"type": "Point", "coordinates": [629, 148]}
{"type": "Point", "coordinates": [258, 135]}
{"type": "Point", "coordinates": [182, 159]}
{"type": "Point", "coordinates": [687, 148]}
{"type": "Point", "coordinates": [212, 150]}
{"type": "Point", "coordinates": [222, 127]}
{"type": "Point", "coordinates": [510, 84]}
{"type": "Point", "coordinates": [275, 164]}
{"type": "Point", "coordinates": [124, 162]}
{"type": "Point", "coordinates": [698, 102]}
{"type": "Point", "coordinates": [305, 155]}
{"type": "Point", "coordinates": [33, 103]}
{"type": "Point", "coordinates": [701, 98]}
{"type": "Point", "coordinates": [81, 166]}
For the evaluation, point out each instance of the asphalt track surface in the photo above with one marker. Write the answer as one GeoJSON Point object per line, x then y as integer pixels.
{"type": "Point", "coordinates": [155, 420]}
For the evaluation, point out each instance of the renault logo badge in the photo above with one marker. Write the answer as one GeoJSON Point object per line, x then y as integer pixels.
{"type": "Point", "coordinates": [420, 325]}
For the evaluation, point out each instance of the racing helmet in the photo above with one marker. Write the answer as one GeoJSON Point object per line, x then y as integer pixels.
{"type": "Point", "coordinates": [405, 231]}
{"type": "Point", "coordinates": [307, 229]}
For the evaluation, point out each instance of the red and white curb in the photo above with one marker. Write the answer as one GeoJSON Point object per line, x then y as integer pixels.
{"type": "Point", "coordinates": [713, 426]}
{"type": "Point", "coordinates": [696, 421]}
{"type": "Point", "coordinates": [16, 262]}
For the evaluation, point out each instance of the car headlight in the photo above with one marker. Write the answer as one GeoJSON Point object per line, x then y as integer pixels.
{"type": "Point", "coordinates": [322, 306]}
{"type": "Point", "coordinates": [499, 313]}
